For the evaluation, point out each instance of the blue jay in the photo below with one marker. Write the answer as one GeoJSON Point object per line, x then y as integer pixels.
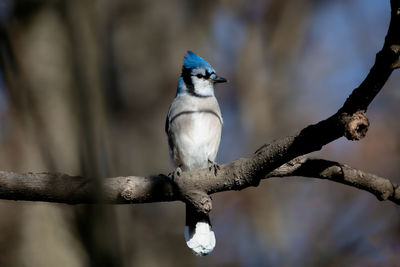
{"type": "Point", "coordinates": [193, 127]}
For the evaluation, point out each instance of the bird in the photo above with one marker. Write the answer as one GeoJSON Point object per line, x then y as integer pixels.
{"type": "Point", "coordinates": [193, 127]}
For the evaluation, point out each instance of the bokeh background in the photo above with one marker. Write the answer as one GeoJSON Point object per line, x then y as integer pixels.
{"type": "Point", "coordinates": [85, 87]}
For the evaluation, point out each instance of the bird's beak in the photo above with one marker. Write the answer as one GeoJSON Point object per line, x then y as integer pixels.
{"type": "Point", "coordinates": [219, 79]}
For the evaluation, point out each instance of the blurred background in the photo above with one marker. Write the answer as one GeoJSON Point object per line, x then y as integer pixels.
{"type": "Point", "coordinates": [84, 90]}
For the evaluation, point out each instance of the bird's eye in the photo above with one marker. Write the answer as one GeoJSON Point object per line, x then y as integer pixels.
{"type": "Point", "coordinates": [199, 76]}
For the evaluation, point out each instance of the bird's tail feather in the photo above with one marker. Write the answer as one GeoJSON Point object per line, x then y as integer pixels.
{"type": "Point", "coordinates": [198, 232]}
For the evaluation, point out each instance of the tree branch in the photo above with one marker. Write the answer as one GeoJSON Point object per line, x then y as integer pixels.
{"type": "Point", "coordinates": [194, 187]}
{"type": "Point", "coordinates": [382, 188]}
{"type": "Point", "coordinates": [63, 188]}
{"type": "Point", "coordinates": [54, 187]}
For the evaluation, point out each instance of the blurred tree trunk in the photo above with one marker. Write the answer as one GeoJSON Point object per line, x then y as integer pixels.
{"type": "Point", "coordinates": [59, 115]}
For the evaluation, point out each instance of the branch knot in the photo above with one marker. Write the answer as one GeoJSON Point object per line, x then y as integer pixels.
{"type": "Point", "coordinates": [356, 125]}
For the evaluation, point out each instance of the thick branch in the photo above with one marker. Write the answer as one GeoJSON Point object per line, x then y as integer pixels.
{"type": "Point", "coordinates": [62, 188]}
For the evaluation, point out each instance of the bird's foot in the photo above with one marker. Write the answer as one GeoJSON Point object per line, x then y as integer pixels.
{"type": "Point", "coordinates": [176, 173]}
{"type": "Point", "coordinates": [213, 166]}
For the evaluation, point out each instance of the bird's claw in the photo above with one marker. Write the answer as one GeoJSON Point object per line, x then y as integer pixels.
{"type": "Point", "coordinates": [213, 167]}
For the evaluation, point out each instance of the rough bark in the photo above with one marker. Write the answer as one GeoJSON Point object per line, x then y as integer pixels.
{"type": "Point", "coordinates": [62, 188]}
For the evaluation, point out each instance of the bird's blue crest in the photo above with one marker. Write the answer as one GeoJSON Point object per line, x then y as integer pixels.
{"type": "Point", "coordinates": [192, 61]}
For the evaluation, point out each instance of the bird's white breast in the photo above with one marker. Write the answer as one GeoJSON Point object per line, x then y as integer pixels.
{"type": "Point", "coordinates": [195, 132]}
{"type": "Point", "coordinates": [199, 139]}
